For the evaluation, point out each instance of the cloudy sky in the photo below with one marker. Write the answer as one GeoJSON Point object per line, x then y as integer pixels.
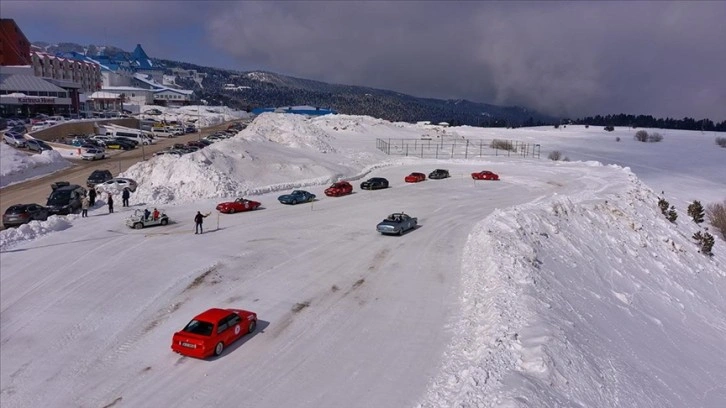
{"type": "Point", "coordinates": [562, 58]}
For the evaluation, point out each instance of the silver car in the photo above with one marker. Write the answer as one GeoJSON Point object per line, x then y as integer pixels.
{"type": "Point", "coordinates": [397, 224]}
{"type": "Point", "coordinates": [14, 139]}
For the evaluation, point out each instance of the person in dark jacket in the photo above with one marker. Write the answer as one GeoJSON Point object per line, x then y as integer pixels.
{"type": "Point", "coordinates": [92, 197]}
{"type": "Point", "coordinates": [109, 200]}
{"type": "Point", "coordinates": [198, 220]}
{"type": "Point", "coordinates": [125, 197]}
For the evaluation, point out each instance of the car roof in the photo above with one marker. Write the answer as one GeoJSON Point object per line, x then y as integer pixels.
{"type": "Point", "coordinates": [212, 315]}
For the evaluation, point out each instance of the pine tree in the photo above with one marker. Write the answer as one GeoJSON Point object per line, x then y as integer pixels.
{"type": "Point", "coordinates": [696, 212]}
{"type": "Point", "coordinates": [705, 242]}
{"type": "Point", "coordinates": [663, 204]}
{"type": "Point", "coordinates": [672, 216]}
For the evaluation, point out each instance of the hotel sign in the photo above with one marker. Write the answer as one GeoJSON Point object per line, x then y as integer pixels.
{"type": "Point", "coordinates": [33, 100]}
{"type": "Point", "coordinates": [36, 100]}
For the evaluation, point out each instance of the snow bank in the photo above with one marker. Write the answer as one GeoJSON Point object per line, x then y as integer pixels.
{"type": "Point", "coordinates": [34, 229]}
{"type": "Point", "coordinates": [276, 152]}
{"type": "Point", "coordinates": [536, 329]}
{"type": "Point", "coordinates": [205, 116]}
{"type": "Point", "coordinates": [17, 166]}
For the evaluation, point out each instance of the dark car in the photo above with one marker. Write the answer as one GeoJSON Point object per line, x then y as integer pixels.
{"type": "Point", "coordinates": [98, 177]}
{"type": "Point", "coordinates": [439, 174]}
{"type": "Point", "coordinates": [397, 224]}
{"type": "Point", "coordinates": [37, 145]}
{"type": "Point", "coordinates": [297, 196]}
{"type": "Point", "coordinates": [65, 198]}
{"type": "Point", "coordinates": [19, 214]}
{"type": "Point", "coordinates": [374, 183]}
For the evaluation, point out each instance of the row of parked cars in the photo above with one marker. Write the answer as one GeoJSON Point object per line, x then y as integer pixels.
{"type": "Point", "coordinates": [179, 149]}
{"type": "Point", "coordinates": [65, 198]}
{"type": "Point", "coordinates": [19, 141]}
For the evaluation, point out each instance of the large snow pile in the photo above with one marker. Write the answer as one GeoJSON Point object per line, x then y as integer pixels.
{"type": "Point", "coordinates": [589, 300]}
{"type": "Point", "coordinates": [276, 152]}
{"type": "Point", "coordinates": [204, 116]}
{"type": "Point", "coordinates": [35, 229]}
{"type": "Point", "coordinates": [16, 166]}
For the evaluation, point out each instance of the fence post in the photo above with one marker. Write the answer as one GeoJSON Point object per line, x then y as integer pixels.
{"type": "Point", "coordinates": [480, 146]}
{"type": "Point", "coordinates": [406, 149]}
{"type": "Point", "coordinates": [466, 152]}
{"type": "Point", "coordinates": [437, 151]}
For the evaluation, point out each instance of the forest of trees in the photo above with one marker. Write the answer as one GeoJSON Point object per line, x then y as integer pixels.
{"type": "Point", "coordinates": [649, 121]}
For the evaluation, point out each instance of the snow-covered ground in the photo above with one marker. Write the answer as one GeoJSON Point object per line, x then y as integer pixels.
{"type": "Point", "coordinates": [17, 166]}
{"type": "Point", "coordinates": [560, 285]}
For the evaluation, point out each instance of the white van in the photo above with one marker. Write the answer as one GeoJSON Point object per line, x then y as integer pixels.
{"type": "Point", "coordinates": [162, 132]}
{"type": "Point", "coordinates": [42, 125]}
{"type": "Point", "coordinates": [128, 133]}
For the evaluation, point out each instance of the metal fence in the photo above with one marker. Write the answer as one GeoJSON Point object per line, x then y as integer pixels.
{"type": "Point", "coordinates": [457, 148]}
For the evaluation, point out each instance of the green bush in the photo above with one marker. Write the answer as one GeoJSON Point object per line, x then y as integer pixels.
{"type": "Point", "coordinates": [705, 242]}
{"type": "Point", "coordinates": [695, 211]}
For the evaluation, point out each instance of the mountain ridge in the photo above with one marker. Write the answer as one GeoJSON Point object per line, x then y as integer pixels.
{"type": "Point", "coordinates": [259, 88]}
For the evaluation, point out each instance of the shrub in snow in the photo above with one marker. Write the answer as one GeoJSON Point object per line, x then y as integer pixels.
{"type": "Point", "coordinates": [587, 126]}
{"type": "Point", "coordinates": [655, 137]}
{"type": "Point", "coordinates": [502, 144]}
{"type": "Point", "coordinates": [641, 136]}
{"type": "Point", "coordinates": [717, 217]}
{"type": "Point", "coordinates": [557, 126]}
{"type": "Point", "coordinates": [609, 128]}
{"type": "Point", "coordinates": [672, 215]}
{"type": "Point", "coordinates": [695, 211]}
{"type": "Point", "coordinates": [617, 139]}
{"type": "Point", "coordinates": [721, 141]}
{"type": "Point", "coordinates": [705, 242]}
{"type": "Point", "coordinates": [555, 155]}
{"type": "Point", "coordinates": [663, 205]}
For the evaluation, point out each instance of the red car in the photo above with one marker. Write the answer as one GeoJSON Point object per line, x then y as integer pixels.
{"type": "Point", "coordinates": [485, 175]}
{"type": "Point", "coordinates": [415, 177]}
{"type": "Point", "coordinates": [210, 332]}
{"type": "Point", "coordinates": [338, 189]}
{"type": "Point", "coordinates": [238, 205]}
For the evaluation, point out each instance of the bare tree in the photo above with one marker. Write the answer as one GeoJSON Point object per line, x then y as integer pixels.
{"type": "Point", "coordinates": [641, 136]}
{"type": "Point", "coordinates": [555, 155]}
{"type": "Point", "coordinates": [716, 213]}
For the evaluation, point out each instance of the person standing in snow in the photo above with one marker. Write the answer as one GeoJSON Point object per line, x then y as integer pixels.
{"type": "Point", "coordinates": [85, 203]}
{"type": "Point", "coordinates": [92, 197]}
{"type": "Point", "coordinates": [109, 200]}
{"type": "Point", "coordinates": [125, 197]}
{"type": "Point", "coordinates": [198, 220]}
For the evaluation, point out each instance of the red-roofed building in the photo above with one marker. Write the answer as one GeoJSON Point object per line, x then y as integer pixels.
{"type": "Point", "coordinates": [14, 46]}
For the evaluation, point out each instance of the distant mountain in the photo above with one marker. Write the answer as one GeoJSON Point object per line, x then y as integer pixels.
{"type": "Point", "coordinates": [254, 89]}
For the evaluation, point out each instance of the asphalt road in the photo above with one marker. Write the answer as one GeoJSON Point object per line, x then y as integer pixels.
{"type": "Point", "coordinates": [37, 190]}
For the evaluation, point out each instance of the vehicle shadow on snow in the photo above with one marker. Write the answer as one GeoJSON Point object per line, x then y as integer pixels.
{"type": "Point", "coordinates": [405, 233]}
{"type": "Point", "coordinates": [260, 329]}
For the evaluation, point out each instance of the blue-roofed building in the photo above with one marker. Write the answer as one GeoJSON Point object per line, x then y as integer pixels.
{"type": "Point", "coordinates": [297, 110]}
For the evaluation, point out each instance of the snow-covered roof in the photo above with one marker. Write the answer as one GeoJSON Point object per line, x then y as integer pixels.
{"type": "Point", "coordinates": [104, 95]}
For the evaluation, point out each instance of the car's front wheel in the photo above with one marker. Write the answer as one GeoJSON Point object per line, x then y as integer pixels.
{"type": "Point", "coordinates": [294, 202]}
{"type": "Point", "coordinates": [138, 225]}
{"type": "Point", "coordinates": [231, 210]}
{"type": "Point", "coordinates": [164, 221]}
{"type": "Point", "coordinates": [253, 325]}
{"type": "Point", "coordinates": [218, 349]}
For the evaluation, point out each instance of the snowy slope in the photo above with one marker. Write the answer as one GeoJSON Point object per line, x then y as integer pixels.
{"type": "Point", "coordinates": [560, 285]}
{"type": "Point", "coordinates": [17, 166]}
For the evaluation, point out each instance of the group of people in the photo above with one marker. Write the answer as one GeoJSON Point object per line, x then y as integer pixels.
{"type": "Point", "coordinates": [89, 200]}
{"type": "Point", "coordinates": [154, 215]}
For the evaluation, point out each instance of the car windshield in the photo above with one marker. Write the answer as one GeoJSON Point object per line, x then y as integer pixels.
{"type": "Point", "coordinates": [297, 192]}
{"type": "Point", "coordinates": [199, 327]}
{"type": "Point", "coordinates": [15, 209]}
{"type": "Point", "coordinates": [61, 197]}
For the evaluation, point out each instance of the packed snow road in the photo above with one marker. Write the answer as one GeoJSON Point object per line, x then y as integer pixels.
{"type": "Point", "coordinates": [347, 317]}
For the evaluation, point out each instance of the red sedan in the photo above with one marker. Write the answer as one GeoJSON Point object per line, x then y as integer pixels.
{"type": "Point", "coordinates": [415, 177]}
{"type": "Point", "coordinates": [238, 205]}
{"type": "Point", "coordinates": [485, 175]}
{"type": "Point", "coordinates": [338, 189]}
{"type": "Point", "coordinates": [210, 332]}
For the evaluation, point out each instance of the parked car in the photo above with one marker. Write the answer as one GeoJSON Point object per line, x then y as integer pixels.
{"type": "Point", "coordinates": [65, 198]}
{"type": "Point", "coordinates": [37, 145]}
{"type": "Point", "coordinates": [93, 154]}
{"type": "Point", "coordinates": [415, 177]}
{"type": "Point", "coordinates": [98, 176]}
{"type": "Point", "coordinates": [14, 139]}
{"type": "Point", "coordinates": [139, 220]}
{"type": "Point", "coordinates": [397, 223]}
{"type": "Point", "coordinates": [210, 332]}
{"type": "Point", "coordinates": [297, 196]}
{"type": "Point", "coordinates": [117, 184]}
{"type": "Point", "coordinates": [19, 214]}
{"type": "Point", "coordinates": [119, 144]}
{"type": "Point", "coordinates": [238, 205]}
{"type": "Point", "coordinates": [374, 183]}
{"type": "Point", "coordinates": [338, 189]}
{"type": "Point", "coordinates": [485, 175]}
{"type": "Point", "coordinates": [439, 174]}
